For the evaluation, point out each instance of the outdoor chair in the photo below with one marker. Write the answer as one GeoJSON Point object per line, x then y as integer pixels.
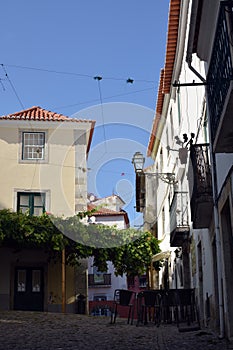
{"type": "Point", "coordinates": [148, 306]}
{"type": "Point", "coordinates": [187, 306]}
{"type": "Point", "coordinates": [178, 305]}
{"type": "Point", "coordinates": [169, 307]}
{"type": "Point", "coordinates": [125, 298]}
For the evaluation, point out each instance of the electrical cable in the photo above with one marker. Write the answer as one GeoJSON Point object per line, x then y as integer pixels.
{"type": "Point", "coordinates": [12, 86]}
{"type": "Point", "coordinates": [3, 87]}
{"type": "Point", "coordinates": [98, 78]}
{"type": "Point", "coordinates": [105, 98]}
{"type": "Point", "coordinates": [128, 80]}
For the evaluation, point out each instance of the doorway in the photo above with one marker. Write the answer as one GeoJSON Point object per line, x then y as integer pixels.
{"type": "Point", "coordinates": [29, 289]}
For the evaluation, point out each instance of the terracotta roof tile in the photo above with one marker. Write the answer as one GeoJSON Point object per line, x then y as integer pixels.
{"type": "Point", "coordinates": [37, 113]}
{"type": "Point", "coordinates": [172, 36]}
{"type": "Point", "coordinates": [103, 211]}
{"type": "Point", "coordinates": [159, 108]}
{"type": "Point", "coordinates": [166, 77]}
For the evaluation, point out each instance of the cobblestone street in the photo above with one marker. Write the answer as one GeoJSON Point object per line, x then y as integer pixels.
{"type": "Point", "coordinates": [36, 331]}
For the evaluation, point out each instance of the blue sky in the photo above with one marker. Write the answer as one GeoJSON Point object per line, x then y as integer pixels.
{"type": "Point", "coordinates": [52, 50]}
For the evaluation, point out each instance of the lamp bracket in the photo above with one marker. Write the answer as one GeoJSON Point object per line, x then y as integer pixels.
{"type": "Point", "coordinates": [168, 178]}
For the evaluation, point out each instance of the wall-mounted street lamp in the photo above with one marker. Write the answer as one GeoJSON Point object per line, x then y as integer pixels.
{"type": "Point", "coordinates": [138, 161]}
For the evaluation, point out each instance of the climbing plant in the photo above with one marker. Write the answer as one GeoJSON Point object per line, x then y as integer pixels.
{"type": "Point", "coordinates": [129, 250]}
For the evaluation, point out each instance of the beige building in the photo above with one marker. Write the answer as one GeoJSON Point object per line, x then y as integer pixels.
{"type": "Point", "coordinates": [43, 169]}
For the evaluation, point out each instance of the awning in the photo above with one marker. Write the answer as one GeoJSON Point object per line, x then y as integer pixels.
{"type": "Point", "coordinates": [161, 256]}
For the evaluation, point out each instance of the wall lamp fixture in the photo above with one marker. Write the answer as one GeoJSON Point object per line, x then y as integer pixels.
{"type": "Point", "coordinates": [138, 161]}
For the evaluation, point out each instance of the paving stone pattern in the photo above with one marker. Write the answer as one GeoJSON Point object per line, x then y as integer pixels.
{"type": "Point", "coordinates": [52, 331]}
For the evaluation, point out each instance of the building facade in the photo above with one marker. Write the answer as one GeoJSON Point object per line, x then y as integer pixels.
{"type": "Point", "coordinates": [191, 138]}
{"type": "Point", "coordinates": [43, 159]}
{"type": "Point", "coordinates": [101, 286]}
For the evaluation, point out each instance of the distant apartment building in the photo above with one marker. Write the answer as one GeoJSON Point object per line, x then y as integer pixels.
{"type": "Point", "coordinates": [101, 286]}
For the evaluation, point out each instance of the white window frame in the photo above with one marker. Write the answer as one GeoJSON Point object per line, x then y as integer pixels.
{"type": "Point", "coordinates": [43, 148]}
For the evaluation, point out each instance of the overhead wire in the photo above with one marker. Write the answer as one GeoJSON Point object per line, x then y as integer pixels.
{"type": "Point", "coordinates": [49, 70]}
{"type": "Point", "coordinates": [105, 98]}
{"type": "Point", "coordinates": [3, 87]}
{"type": "Point", "coordinates": [128, 80]}
{"type": "Point", "coordinates": [99, 78]}
{"type": "Point", "coordinates": [12, 86]}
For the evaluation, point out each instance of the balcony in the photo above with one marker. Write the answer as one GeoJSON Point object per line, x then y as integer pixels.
{"type": "Point", "coordinates": [179, 223]}
{"type": "Point", "coordinates": [201, 191]}
{"type": "Point", "coordinates": [99, 280]}
{"type": "Point", "coordinates": [220, 84]}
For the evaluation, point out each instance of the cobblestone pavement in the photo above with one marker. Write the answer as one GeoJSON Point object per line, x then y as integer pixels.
{"type": "Point", "coordinates": [42, 331]}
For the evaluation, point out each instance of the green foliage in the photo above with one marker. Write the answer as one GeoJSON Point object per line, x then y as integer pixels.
{"type": "Point", "coordinates": [130, 250]}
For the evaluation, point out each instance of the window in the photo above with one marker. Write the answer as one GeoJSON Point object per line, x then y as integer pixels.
{"type": "Point", "coordinates": [33, 203]}
{"type": "Point", "coordinates": [98, 275]}
{"type": "Point", "coordinates": [33, 145]}
{"type": "Point", "coordinates": [36, 280]}
{"type": "Point", "coordinates": [21, 278]}
{"type": "Point", "coordinates": [142, 281]}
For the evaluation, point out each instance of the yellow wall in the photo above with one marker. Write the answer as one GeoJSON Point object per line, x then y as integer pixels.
{"type": "Point", "coordinates": [55, 283]}
{"type": "Point", "coordinates": [57, 175]}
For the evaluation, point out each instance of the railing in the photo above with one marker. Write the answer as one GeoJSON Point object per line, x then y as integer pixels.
{"type": "Point", "coordinates": [220, 71]}
{"type": "Point", "coordinates": [102, 279]}
{"type": "Point", "coordinates": [202, 181]}
{"type": "Point", "coordinates": [201, 190]}
{"type": "Point", "coordinates": [179, 211]}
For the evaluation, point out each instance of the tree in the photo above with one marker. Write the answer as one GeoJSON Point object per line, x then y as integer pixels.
{"type": "Point", "coordinates": [129, 250]}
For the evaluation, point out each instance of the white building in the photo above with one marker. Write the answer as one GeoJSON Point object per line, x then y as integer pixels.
{"type": "Point", "coordinates": [192, 138]}
{"type": "Point", "coordinates": [101, 286]}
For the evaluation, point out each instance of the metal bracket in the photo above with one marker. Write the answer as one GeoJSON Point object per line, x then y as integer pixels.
{"type": "Point", "coordinates": [176, 84]}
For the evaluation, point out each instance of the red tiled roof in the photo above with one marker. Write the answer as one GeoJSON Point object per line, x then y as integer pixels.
{"type": "Point", "coordinates": [167, 72]}
{"type": "Point", "coordinates": [101, 211]}
{"type": "Point", "coordinates": [159, 108]}
{"type": "Point", "coordinates": [172, 36]}
{"type": "Point", "coordinates": [37, 113]}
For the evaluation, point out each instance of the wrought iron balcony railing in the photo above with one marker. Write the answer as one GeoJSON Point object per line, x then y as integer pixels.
{"type": "Point", "coordinates": [179, 219]}
{"type": "Point", "coordinates": [201, 189]}
{"type": "Point", "coordinates": [220, 73]}
{"type": "Point", "coordinates": [100, 279]}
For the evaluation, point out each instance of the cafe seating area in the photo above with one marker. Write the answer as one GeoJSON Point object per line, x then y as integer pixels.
{"type": "Point", "coordinates": [177, 306]}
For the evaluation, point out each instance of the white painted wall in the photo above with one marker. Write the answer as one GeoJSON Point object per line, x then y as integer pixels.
{"type": "Point", "coordinates": [114, 203]}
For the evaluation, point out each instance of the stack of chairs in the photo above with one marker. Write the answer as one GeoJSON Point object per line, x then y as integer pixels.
{"type": "Point", "coordinates": [179, 306]}
{"type": "Point", "coordinates": [149, 307]}
{"type": "Point", "coordinates": [124, 297]}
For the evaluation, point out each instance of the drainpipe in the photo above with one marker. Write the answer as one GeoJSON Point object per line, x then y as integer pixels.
{"type": "Point", "coordinates": [218, 241]}
{"type": "Point", "coordinates": [189, 61]}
